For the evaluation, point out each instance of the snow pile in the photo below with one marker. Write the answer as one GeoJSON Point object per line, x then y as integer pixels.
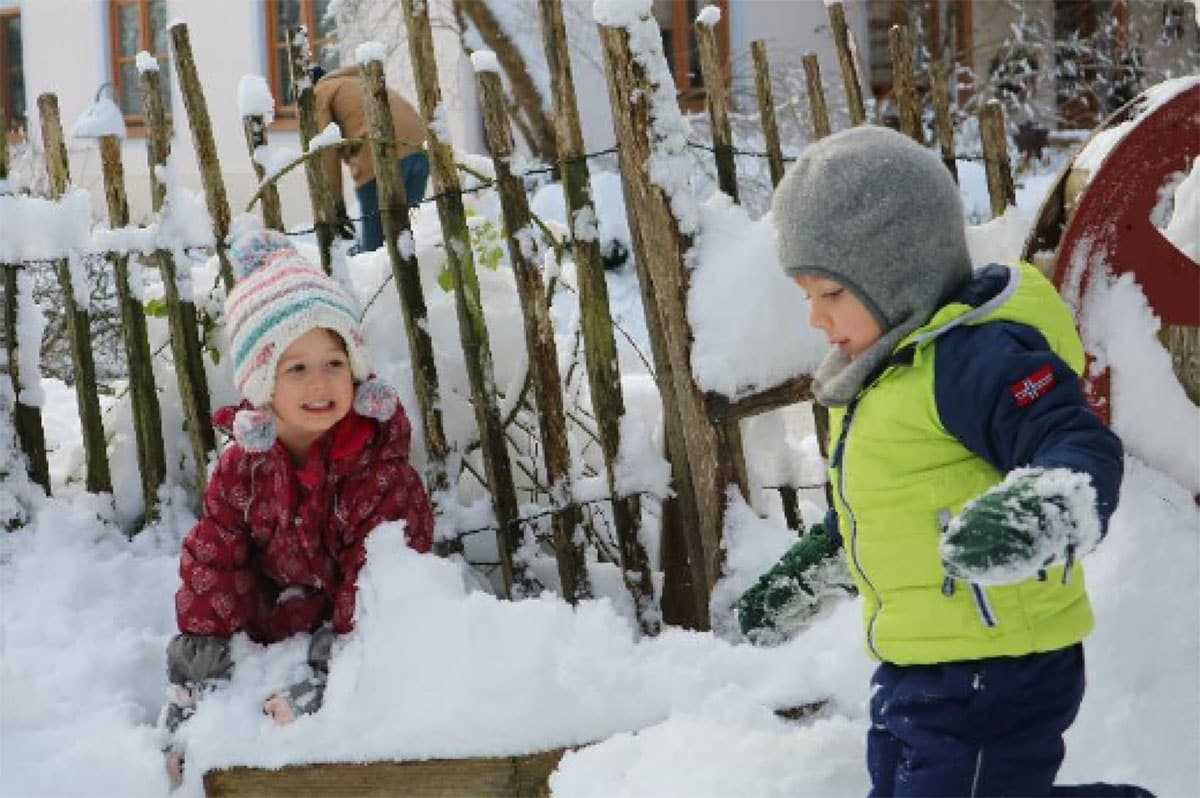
{"type": "Point", "coordinates": [1183, 229]}
{"type": "Point", "coordinates": [32, 228]}
{"type": "Point", "coordinates": [1093, 155]}
{"type": "Point", "coordinates": [101, 118]}
{"type": "Point", "coordinates": [369, 52]}
{"type": "Point", "coordinates": [332, 134]}
{"type": "Point", "coordinates": [255, 99]}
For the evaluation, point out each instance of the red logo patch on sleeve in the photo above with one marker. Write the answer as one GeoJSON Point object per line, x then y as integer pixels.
{"type": "Point", "coordinates": [1033, 387]}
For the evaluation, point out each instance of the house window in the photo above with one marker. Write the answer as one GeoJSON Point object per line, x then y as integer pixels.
{"type": "Point", "coordinates": [12, 80]}
{"type": "Point", "coordinates": [284, 14]}
{"type": "Point", "coordinates": [676, 20]}
{"type": "Point", "coordinates": [1172, 30]}
{"type": "Point", "coordinates": [138, 25]}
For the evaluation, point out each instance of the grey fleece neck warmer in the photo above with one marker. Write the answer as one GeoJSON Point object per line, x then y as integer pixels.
{"type": "Point", "coordinates": [879, 214]}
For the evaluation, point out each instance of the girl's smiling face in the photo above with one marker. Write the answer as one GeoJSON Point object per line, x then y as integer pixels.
{"type": "Point", "coordinates": [314, 389]}
{"type": "Point", "coordinates": [838, 313]}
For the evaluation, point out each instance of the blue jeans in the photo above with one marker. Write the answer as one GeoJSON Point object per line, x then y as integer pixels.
{"type": "Point", "coordinates": [983, 727]}
{"type": "Point", "coordinates": [414, 172]}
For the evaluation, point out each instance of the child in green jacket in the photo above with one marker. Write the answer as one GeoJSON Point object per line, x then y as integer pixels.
{"type": "Point", "coordinates": [969, 474]}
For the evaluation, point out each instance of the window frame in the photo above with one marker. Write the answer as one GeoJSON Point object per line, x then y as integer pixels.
{"type": "Point", "coordinates": [286, 115]}
{"type": "Point", "coordinates": [135, 123]}
{"type": "Point", "coordinates": [6, 77]}
{"type": "Point", "coordinates": [689, 87]}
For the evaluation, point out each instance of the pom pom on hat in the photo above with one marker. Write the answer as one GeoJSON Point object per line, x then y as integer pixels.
{"type": "Point", "coordinates": [280, 297]}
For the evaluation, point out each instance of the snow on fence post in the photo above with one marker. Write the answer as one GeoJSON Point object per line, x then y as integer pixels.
{"type": "Point", "coordinates": [147, 418]}
{"type": "Point", "coordinates": [206, 148]}
{"type": "Point", "coordinates": [900, 45]}
{"type": "Point", "coordinates": [27, 418]}
{"type": "Point", "coordinates": [324, 213]}
{"type": "Point", "coordinates": [663, 216]}
{"type": "Point", "coordinates": [766, 109]}
{"type": "Point", "coordinates": [397, 237]}
{"type": "Point", "coordinates": [717, 99]}
{"type": "Point", "coordinates": [539, 335]}
{"type": "Point", "coordinates": [841, 39]}
{"type": "Point", "coordinates": [816, 97]}
{"type": "Point", "coordinates": [939, 78]}
{"type": "Point", "coordinates": [995, 158]}
{"type": "Point", "coordinates": [537, 127]}
{"type": "Point", "coordinates": [255, 128]}
{"type": "Point", "coordinates": [181, 312]}
{"type": "Point", "coordinates": [599, 343]}
{"type": "Point", "coordinates": [75, 306]}
{"type": "Point", "coordinates": [471, 326]}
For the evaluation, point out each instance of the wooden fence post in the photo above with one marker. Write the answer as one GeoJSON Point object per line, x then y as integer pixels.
{"type": "Point", "coordinates": [255, 129]}
{"type": "Point", "coordinates": [766, 109]}
{"type": "Point", "coordinates": [147, 418]}
{"type": "Point", "coordinates": [206, 148]}
{"type": "Point", "coordinates": [75, 307]}
{"type": "Point", "coordinates": [393, 211]}
{"type": "Point", "coordinates": [704, 460]}
{"type": "Point", "coordinates": [599, 343]}
{"type": "Point", "coordinates": [27, 418]}
{"type": "Point", "coordinates": [939, 79]}
{"type": "Point", "coordinates": [995, 158]}
{"type": "Point", "coordinates": [904, 83]}
{"type": "Point", "coordinates": [718, 104]}
{"type": "Point", "coordinates": [181, 311]}
{"type": "Point", "coordinates": [841, 39]}
{"type": "Point", "coordinates": [471, 326]}
{"type": "Point", "coordinates": [539, 341]}
{"type": "Point", "coordinates": [324, 214]}
{"type": "Point", "coordinates": [816, 97]}
{"type": "Point", "coordinates": [3, 143]}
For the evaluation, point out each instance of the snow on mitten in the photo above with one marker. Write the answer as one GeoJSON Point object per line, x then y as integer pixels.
{"type": "Point", "coordinates": [254, 430]}
{"type": "Point", "coordinates": [788, 597]}
{"type": "Point", "coordinates": [374, 398]}
{"type": "Point", "coordinates": [1035, 518]}
{"type": "Point", "coordinates": [306, 696]}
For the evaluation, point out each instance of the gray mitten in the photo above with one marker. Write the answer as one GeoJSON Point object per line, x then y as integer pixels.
{"type": "Point", "coordinates": [196, 664]}
{"type": "Point", "coordinates": [306, 696]}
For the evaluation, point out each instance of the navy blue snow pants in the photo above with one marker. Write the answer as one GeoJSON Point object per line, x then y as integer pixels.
{"type": "Point", "coordinates": [414, 172]}
{"type": "Point", "coordinates": [982, 727]}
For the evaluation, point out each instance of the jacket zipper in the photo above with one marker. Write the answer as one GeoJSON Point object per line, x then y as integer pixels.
{"type": "Point", "coordinates": [839, 462]}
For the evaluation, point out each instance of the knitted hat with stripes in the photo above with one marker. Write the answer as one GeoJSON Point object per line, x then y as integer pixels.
{"type": "Point", "coordinates": [278, 297]}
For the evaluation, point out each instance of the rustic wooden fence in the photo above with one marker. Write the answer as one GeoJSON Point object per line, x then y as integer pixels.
{"type": "Point", "coordinates": [702, 429]}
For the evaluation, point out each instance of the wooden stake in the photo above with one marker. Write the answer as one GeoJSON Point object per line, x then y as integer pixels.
{"type": "Point", "coordinates": [766, 110]}
{"type": "Point", "coordinates": [841, 39]}
{"type": "Point", "coordinates": [718, 108]}
{"type": "Point", "coordinates": [256, 136]}
{"type": "Point", "coordinates": [79, 320]}
{"type": "Point", "coordinates": [181, 312]}
{"type": "Point", "coordinates": [3, 142]}
{"type": "Point", "coordinates": [943, 123]}
{"type": "Point", "coordinates": [471, 327]}
{"type": "Point", "coordinates": [704, 460]}
{"type": "Point", "coordinates": [995, 158]}
{"type": "Point", "coordinates": [600, 347]}
{"type": "Point", "coordinates": [206, 147]}
{"type": "Point", "coordinates": [27, 418]}
{"type": "Point", "coordinates": [816, 97]}
{"type": "Point", "coordinates": [539, 340]}
{"type": "Point", "coordinates": [147, 418]}
{"type": "Point", "coordinates": [324, 213]}
{"type": "Point", "coordinates": [904, 84]}
{"type": "Point", "coordinates": [405, 271]}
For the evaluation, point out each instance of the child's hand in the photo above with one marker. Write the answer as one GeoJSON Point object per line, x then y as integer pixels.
{"type": "Point", "coordinates": [279, 707]}
{"type": "Point", "coordinates": [786, 598]}
{"type": "Point", "coordinates": [1035, 518]}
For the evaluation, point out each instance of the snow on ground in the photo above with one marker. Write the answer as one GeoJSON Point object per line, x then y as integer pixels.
{"type": "Point", "coordinates": [440, 668]}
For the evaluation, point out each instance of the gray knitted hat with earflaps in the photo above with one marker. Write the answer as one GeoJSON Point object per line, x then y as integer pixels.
{"type": "Point", "coordinates": [879, 214]}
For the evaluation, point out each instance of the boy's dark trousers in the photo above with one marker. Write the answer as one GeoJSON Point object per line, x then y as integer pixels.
{"type": "Point", "coordinates": [414, 172]}
{"type": "Point", "coordinates": [982, 727]}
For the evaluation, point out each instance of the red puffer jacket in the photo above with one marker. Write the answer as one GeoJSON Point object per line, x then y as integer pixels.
{"type": "Point", "coordinates": [277, 549]}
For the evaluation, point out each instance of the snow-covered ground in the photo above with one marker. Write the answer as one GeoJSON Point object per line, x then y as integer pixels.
{"type": "Point", "coordinates": [439, 668]}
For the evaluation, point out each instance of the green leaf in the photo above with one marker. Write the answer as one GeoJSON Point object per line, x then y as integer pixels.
{"type": "Point", "coordinates": [156, 308]}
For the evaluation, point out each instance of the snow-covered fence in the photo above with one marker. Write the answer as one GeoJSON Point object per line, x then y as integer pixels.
{"type": "Point", "coordinates": [73, 285]}
{"type": "Point", "coordinates": [181, 311]}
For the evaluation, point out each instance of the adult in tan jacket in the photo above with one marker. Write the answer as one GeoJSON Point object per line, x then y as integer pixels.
{"type": "Point", "coordinates": [339, 98]}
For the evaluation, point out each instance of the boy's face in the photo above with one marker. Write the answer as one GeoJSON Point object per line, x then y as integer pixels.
{"type": "Point", "coordinates": [314, 389]}
{"type": "Point", "coordinates": [838, 313]}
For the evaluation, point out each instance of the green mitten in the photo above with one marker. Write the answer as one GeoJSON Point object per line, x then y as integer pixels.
{"type": "Point", "coordinates": [1035, 518]}
{"type": "Point", "coordinates": [786, 598]}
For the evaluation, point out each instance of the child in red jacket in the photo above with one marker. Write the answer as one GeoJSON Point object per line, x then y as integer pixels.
{"type": "Point", "coordinates": [320, 459]}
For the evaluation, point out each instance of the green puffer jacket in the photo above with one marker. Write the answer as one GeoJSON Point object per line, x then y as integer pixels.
{"type": "Point", "coordinates": [926, 436]}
